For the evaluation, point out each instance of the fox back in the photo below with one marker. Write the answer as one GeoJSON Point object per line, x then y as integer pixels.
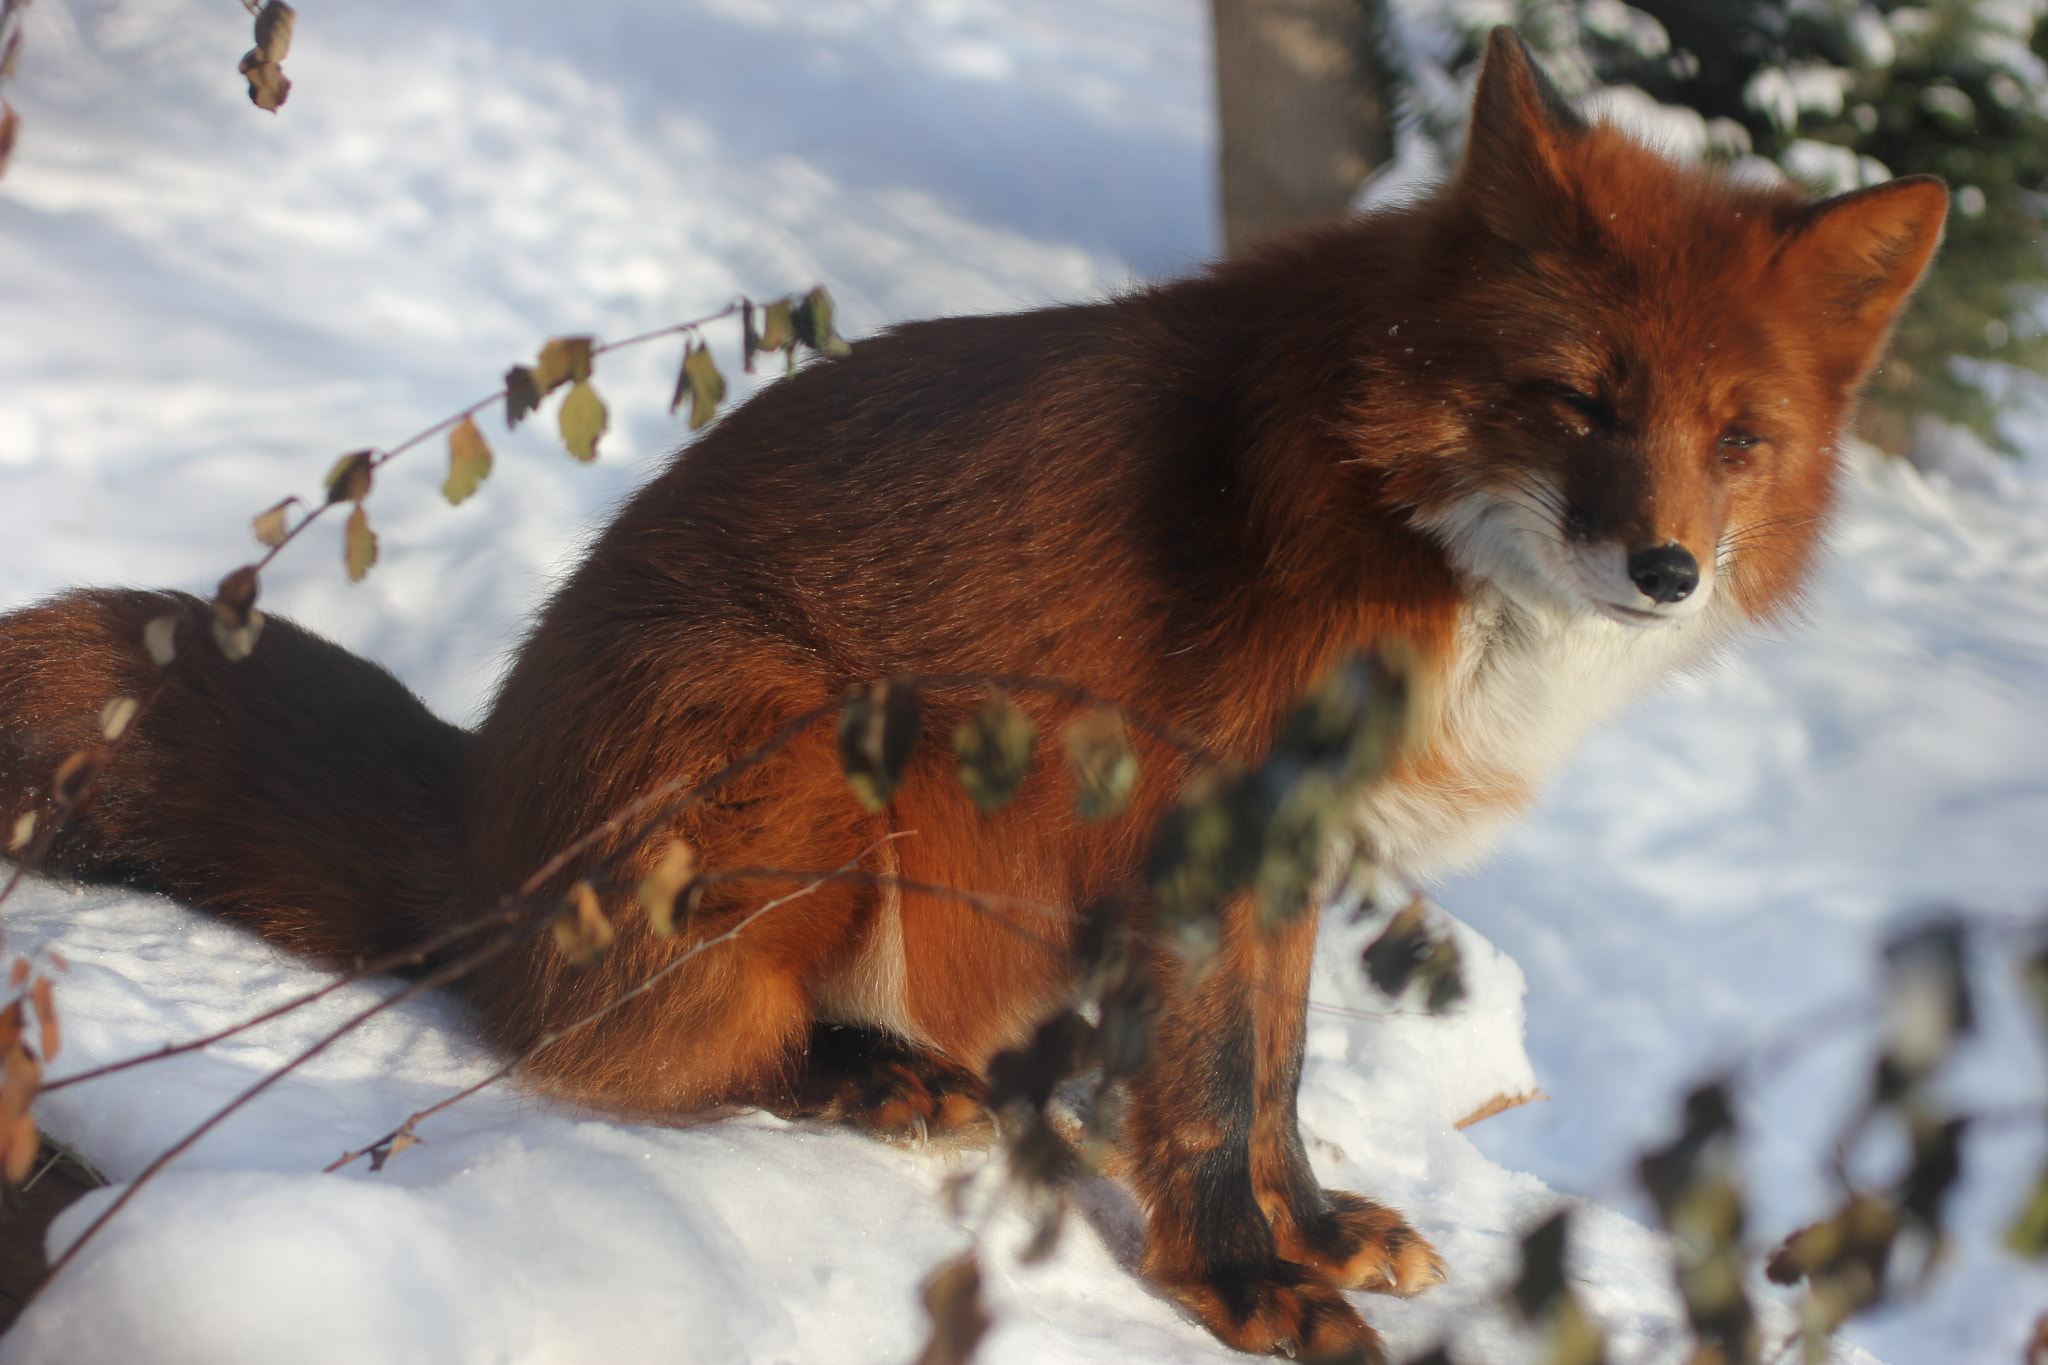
{"type": "Point", "coordinates": [1560, 427]}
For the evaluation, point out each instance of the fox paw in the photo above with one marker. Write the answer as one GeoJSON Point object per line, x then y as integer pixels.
{"type": "Point", "coordinates": [1283, 1312]}
{"type": "Point", "coordinates": [1357, 1244]}
{"type": "Point", "coordinates": [885, 1086]}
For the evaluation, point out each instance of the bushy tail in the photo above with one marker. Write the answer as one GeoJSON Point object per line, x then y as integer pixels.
{"type": "Point", "coordinates": [302, 790]}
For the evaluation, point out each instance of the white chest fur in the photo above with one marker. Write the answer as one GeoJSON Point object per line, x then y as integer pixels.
{"type": "Point", "coordinates": [1519, 691]}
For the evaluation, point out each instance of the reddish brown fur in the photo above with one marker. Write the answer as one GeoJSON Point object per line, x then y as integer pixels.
{"type": "Point", "coordinates": [1194, 499]}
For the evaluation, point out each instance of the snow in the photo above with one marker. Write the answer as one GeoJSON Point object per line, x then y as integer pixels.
{"type": "Point", "coordinates": [205, 304]}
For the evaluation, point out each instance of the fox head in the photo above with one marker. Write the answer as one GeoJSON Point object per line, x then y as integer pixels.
{"type": "Point", "coordinates": [1629, 374]}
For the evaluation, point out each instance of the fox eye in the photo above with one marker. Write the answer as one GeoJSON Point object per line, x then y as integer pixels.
{"type": "Point", "coordinates": [1590, 406]}
{"type": "Point", "coordinates": [1735, 447]}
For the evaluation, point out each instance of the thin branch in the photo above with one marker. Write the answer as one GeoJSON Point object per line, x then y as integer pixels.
{"type": "Point", "coordinates": [555, 1035]}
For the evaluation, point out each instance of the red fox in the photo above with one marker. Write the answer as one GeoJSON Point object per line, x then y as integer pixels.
{"type": "Point", "coordinates": [1562, 426]}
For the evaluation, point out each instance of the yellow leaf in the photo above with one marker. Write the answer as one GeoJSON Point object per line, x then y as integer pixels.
{"type": "Point", "coordinates": [349, 480]}
{"type": "Point", "coordinates": [562, 360]}
{"type": "Point", "coordinates": [160, 638]}
{"type": "Point", "coordinates": [583, 420]}
{"type": "Point", "coordinates": [707, 385]}
{"type": "Point", "coordinates": [359, 549]}
{"type": "Point", "coordinates": [269, 524]}
{"type": "Point", "coordinates": [659, 889]}
{"type": "Point", "coordinates": [584, 933]}
{"type": "Point", "coordinates": [777, 331]}
{"type": "Point", "coordinates": [115, 716]}
{"type": "Point", "coordinates": [469, 462]}
{"type": "Point", "coordinates": [812, 319]}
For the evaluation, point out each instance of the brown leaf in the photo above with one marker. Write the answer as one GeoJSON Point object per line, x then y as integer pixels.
{"type": "Point", "coordinates": [21, 1076]}
{"type": "Point", "coordinates": [274, 29]}
{"type": "Point", "coordinates": [994, 746]}
{"type": "Point", "coordinates": [778, 332]}
{"type": "Point", "coordinates": [878, 731]}
{"type": "Point", "coordinates": [750, 342]}
{"type": "Point", "coordinates": [359, 544]}
{"type": "Point", "coordinates": [659, 888]}
{"type": "Point", "coordinates": [952, 1296]}
{"type": "Point", "coordinates": [115, 716]}
{"type": "Point", "coordinates": [270, 525]}
{"type": "Point", "coordinates": [522, 395]}
{"type": "Point", "coordinates": [349, 480]}
{"type": "Point", "coordinates": [469, 462]}
{"type": "Point", "coordinates": [700, 381]}
{"type": "Point", "coordinates": [75, 777]}
{"type": "Point", "coordinates": [46, 1015]}
{"type": "Point", "coordinates": [812, 319]}
{"type": "Point", "coordinates": [269, 87]}
{"type": "Point", "coordinates": [23, 1142]}
{"type": "Point", "coordinates": [1105, 769]}
{"type": "Point", "coordinates": [584, 933]}
{"type": "Point", "coordinates": [23, 831]}
{"type": "Point", "coordinates": [385, 1151]}
{"type": "Point", "coordinates": [160, 638]}
{"type": "Point", "coordinates": [562, 359]}
{"type": "Point", "coordinates": [583, 419]}
{"type": "Point", "coordinates": [10, 132]}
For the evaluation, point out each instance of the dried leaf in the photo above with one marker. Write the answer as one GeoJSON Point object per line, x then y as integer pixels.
{"type": "Point", "coordinates": [23, 831]}
{"type": "Point", "coordinates": [160, 639]}
{"type": "Point", "coordinates": [23, 1142]}
{"type": "Point", "coordinates": [562, 359]}
{"type": "Point", "coordinates": [522, 395]}
{"type": "Point", "coordinates": [702, 382]}
{"type": "Point", "coordinates": [46, 1017]}
{"type": "Point", "coordinates": [952, 1297]}
{"type": "Point", "coordinates": [750, 340]}
{"type": "Point", "coordinates": [994, 746]}
{"type": "Point", "coordinates": [349, 480]}
{"type": "Point", "coordinates": [582, 419]}
{"type": "Point", "coordinates": [269, 87]}
{"type": "Point", "coordinates": [778, 333]}
{"type": "Point", "coordinates": [384, 1151]}
{"type": "Point", "coordinates": [21, 1076]}
{"type": "Point", "coordinates": [1927, 1002]}
{"type": "Point", "coordinates": [75, 777]}
{"type": "Point", "coordinates": [274, 29]}
{"type": "Point", "coordinates": [1541, 1284]}
{"type": "Point", "coordinates": [658, 889]}
{"type": "Point", "coordinates": [359, 544]}
{"type": "Point", "coordinates": [812, 320]}
{"type": "Point", "coordinates": [269, 524]}
{"type": "Point", "coordinates": [1205, 849]}
{"type": "Point", "coordinates": [878, 730]}
{"type": "Point", "coordinates": [10, 133]}
{"type": "Point", "coordinates": [469, 462]}
{"type": "Point", "coordinates": [1028, 1075]}
{"type": "Point", "coordinates": [1105, 769]}
{"type": "Point", "coordinates": [1696, 1184]}
{"type": "Point", "coordinates": [115, 716]}
{"type": "Point", "coordinates": [584, 933]}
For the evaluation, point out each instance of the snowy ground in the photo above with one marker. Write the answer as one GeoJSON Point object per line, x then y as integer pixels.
{"type": "Point", "coordinates": [203, 304]}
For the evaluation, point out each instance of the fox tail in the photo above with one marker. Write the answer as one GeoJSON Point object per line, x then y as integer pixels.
{"type": "Point", "coordinates": [302, 791]}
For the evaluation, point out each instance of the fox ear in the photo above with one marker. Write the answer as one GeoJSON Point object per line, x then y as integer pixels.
{"type": "Point", "coordinates": [1513, 174]}
{"type": "Point", "coordinates": [1857, 257]}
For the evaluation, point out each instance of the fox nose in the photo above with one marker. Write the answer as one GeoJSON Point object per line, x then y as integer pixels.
{"type": "Point", "coordinates": [1665, 573]}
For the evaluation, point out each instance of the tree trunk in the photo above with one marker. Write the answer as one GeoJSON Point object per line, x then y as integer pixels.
{"type": "Point", "coordinates": [1305, 109]}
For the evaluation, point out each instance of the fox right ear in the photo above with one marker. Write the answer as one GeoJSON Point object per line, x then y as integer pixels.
{"type": "Point", "coordinates": [1856, 258]}
{"type": "Point", "coordinates": [1513, 173]}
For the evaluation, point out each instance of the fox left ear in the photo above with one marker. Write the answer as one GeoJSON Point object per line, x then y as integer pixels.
{"type": "Point", "coordinates": [1857, 257]}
